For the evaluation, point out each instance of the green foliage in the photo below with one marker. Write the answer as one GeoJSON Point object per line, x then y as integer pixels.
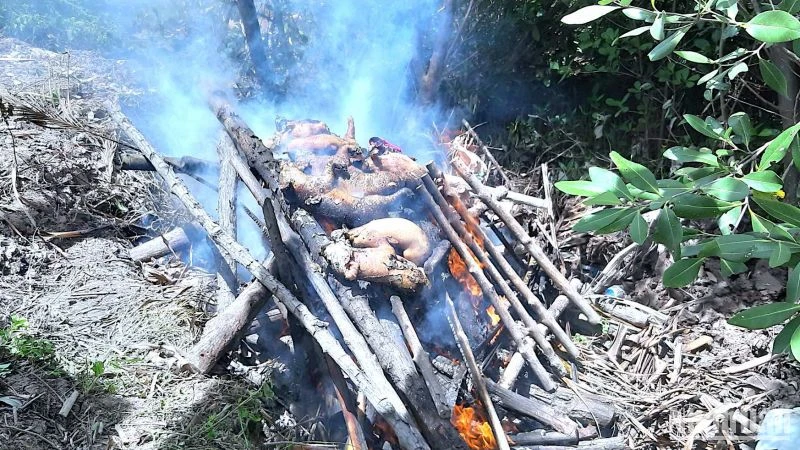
{"type": "Point", "coordinates": [734, 177]}
{"type": "Point", "coordinates": [17, 343]}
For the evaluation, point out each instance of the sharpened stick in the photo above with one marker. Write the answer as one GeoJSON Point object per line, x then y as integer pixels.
{"type": "Point", "coordinates": [524, 343]}
{"type": "Point", "coordinates": [477, 377]}
{"type": "Point", "coordinates": [421, 358]}
{"type": "Point", "coordinates": [404, 427]}
{"type": "Point", "coordinates": [530, 245]}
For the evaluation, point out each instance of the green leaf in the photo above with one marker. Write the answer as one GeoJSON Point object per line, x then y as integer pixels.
{"type": "Point", "coordinates": [781, 256]}
{"type": "Point", "coordinates": [682, 273]}
{"type": "Point", "coordinates": [693, 206]}
{"type": "Point", "coordinates": [666, 46]}
{"type": "Point", "coordinates": [740, 123]}
{"type": "Point", "coordinates": [694, 57]}
{"type": "Point", "coordinates": [781, 211]}
{"type": "Point", "coordinates": [635, 32]}
{"type": "Point", "coordinates": [738, 68]}
{"type": "Point", "coordinates": [731, 267]}
{"type": "Point", "coordinates": [684, 155]}
{"type": "Point", "coordinates": [742, 247]}
{"type": "Point", "coordinates": [657, 29]}
{"type": "Point", "coordinates": [795, 153]}
{"type": "Point", "coordinates": [764, 181]}
{"type": "Point", "coordinates": [605, 199]}
{"type": "Point", "coordinates": [580, 188]}
{"type": "Point", "coordinates": [727, 222]}
{"type": "Point", "coordinates": [790, 6]}
{"type": "Point", "coordinates": [639, 14]}
{"type": "Point", "coordinates": [667, 230]}
{"type": "Point", "coordinates": [701, 126]}
{"type": "Point", "coordinates": [773, 26]}
{"type": "Point", "coordinates": [587, 14]}
{"type": "Point", "coordinates": [671, 188]}
{"type": "Point", "coordinates": [764, 316]}
{"type": "Point", "coordinates": [776, 149]}
{"type": "Point", "coordinates": [636, 174]}
{"type": "Point", "coordinates": [795, 344]}
{"type": "Point", "coordinates": [705, 78]}
{"type": "Point", "coordinates": [793, 284]}
{"type": "Point", "coordinates": [598, 220]}
{"type": "Point", "coordinates": [609, 181]}
{"type": "Point", "coordinates": [773, 77]}
{"type": "Point", "coordinates": [620, 223]}
{"type": "Point", "coordinates": [783, 340]}
{"type": "Point", "coordinates": [760, 224]}
{"type": "Point", "coordinates": [638, 229]}
{"type": "Point", "coordinates": [728, 189]}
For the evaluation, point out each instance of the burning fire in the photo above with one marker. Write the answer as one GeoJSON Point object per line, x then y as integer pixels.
{"type": "Point", "coordinates": [473, 428]}
{"type": "Point", "coordinates": [493, 317]}
{"type": "Point", "coordinates": [459, 270]}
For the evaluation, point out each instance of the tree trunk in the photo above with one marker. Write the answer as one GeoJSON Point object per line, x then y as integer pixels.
{"type": "Point", "coordinates": [255, 45]}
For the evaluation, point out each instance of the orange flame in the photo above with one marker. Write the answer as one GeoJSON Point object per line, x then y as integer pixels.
{"type": "Point", "coordinates": [493, 317]}
{"type": "Point", "coordinates": [459, 270]}
{"type": "Point", "coordinates": [473, 428]}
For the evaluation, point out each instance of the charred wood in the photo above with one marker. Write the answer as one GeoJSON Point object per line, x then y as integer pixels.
{"type": "Point", "coordinates": [169, 242]}
{"type": "Point", "coordinates": [586, 408]}
{"type": "Point", "coordinates": [421, 358]}
{"type": "Point", "coordinates": [438, 253]}
{"type": "Point", "coordinates": [533, 408]}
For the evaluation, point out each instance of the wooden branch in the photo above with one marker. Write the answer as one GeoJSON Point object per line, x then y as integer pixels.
{"type": "Point", "coordinates": [169, 242]}
{"type": "Point", "coordinates": [227, 327]}
{"type": "Point", "coordinates": [437, 255]}
{"type": "Point", "coordinates": [429, 84]}
{"type": "Point", "coordinates": [502, 193]}
{"type": "Point", "coordinates": [586, 407]}
{"type": "Point", "coordinates": [533, 408]}
{"type": "Point", "coordinates": [255, 44]}
{"type": "Point", "coordinates": [477, 377]}
{"type": "Point", "coordinates": [421, 358]}
{"type": "Point", "coordinates": [485, 151]}
{"type": "Point", "coordinates": [524, 343]}
{"type": "Point", "coordinates": [530, 245]}
{"type": "Point", "coordinates": [407, 434]}
{"type": "Point", "coordinates": [348, 406]}
{"type": "Point", "coordinates": [226, 208]}
{"type": "Point", "coordinates": [614, 443]}
{"type": "Point", "coordinates": [544, 316]}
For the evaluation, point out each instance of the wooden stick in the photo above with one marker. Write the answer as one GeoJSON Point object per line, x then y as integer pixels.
{"type": "Point", "coordinates": [533, 327]}
{"type": "Point", "coordinates": [530, 245]}
{"type": "Point", "coordinates": [406, 431]}
{"type": "Point", "coordinates": [524, 343]}
{"type": "Point", "coordinates": [421, 358]}
{"type": "Point", "coordinates": [532, 407]}
{"type": "Point", "coordinates": [348, 406]}
{"type": "Point", "coordinates": [66, 407]}
{"type": "Point", "coordinates": [512, 370]}
{"type": "Point", "coordinates": [477, 377]}
{"type": "Point", "coordinates": [613, 443]}
{"type": "Point", "coordinates": [226, 208]}
{"type": "Point", "coordinates": [227, 326]}
{"type": "Point", "coordinates": [544, 315]}
{"type": "Point", "coordinates": [485, 151]}
{"type": "Point", "coordinates": [169, 242]}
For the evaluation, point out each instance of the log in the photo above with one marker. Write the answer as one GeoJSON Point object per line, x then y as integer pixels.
{"type": "Point", "coordinates": [227, 327]}
{"type": "Point", "coordinates": [530, 245]}
{"type": "Point", "coordinates": [524, 343]}
{"type": "Point", "coordinates": [169, 242]}
{"type": "Point", "coordinates": [477, 377]}
{"type": "Point", "coordinates": [407, 433]}
{"type": "Point", "coordinates": [614, 443]}
{"type": "Point", "coordinates": [226, 209]}
{"type": "Point", "coordinates": [542, 437]}
{"type": "Point", "coordinates": [421, 358]}
{"type": "Point", "coordinates": [586, 408]}
{"type": "Point", "coordinates": [532, 408]}
{"type": "Point", "coordinates": [348, 405]}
